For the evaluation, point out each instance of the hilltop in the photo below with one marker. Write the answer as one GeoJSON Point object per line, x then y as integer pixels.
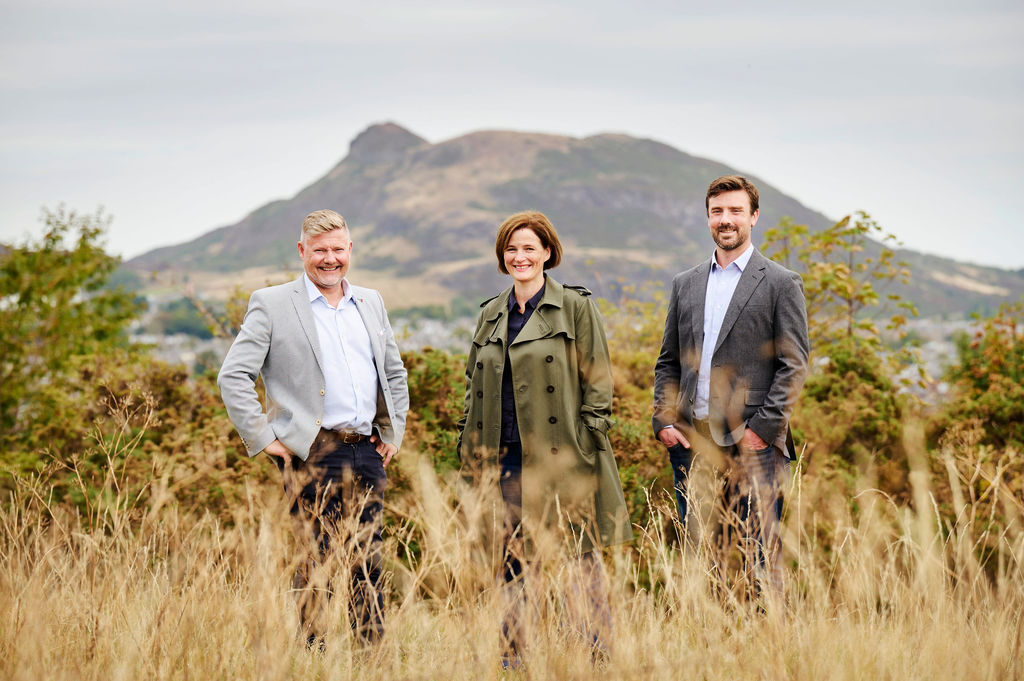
{"type": "Point", "coordinates": [423, 218]}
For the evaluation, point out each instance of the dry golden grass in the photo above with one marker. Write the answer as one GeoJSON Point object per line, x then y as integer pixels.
{"type": "Point", "coordinates": [145, 591]}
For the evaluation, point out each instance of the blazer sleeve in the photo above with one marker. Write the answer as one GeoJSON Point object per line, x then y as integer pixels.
{"type": "Point", "coordinates": [792, 349]}
{"type": "Point", "coordinates": [238, 374]}
{"type": "Point", "coordinates": [668, 368]}
{"type": "Point", "coordinates": [394, 371]}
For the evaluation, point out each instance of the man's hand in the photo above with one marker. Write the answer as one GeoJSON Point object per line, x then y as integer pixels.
{"type": "Point", "coordinates": [671, 437]}
{"type": "Point", "coordinates": [752, 441]}
{"type": "Point", "coordinates": [385, 449]}
{"type": "Point", "coordinates": [277, 448]}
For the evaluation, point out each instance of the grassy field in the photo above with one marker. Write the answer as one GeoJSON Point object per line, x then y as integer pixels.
{"type": "Point", "coordinates": [135, 588]}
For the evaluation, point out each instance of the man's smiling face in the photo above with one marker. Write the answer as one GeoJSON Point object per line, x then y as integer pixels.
{"type": "Point", "coordinates": [730, 219]}
{"type": "Point", "coordinates": [326, 257]}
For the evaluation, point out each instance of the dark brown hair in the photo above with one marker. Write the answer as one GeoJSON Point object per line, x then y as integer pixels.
{"type": "Point", "coordinates": [731, 183]}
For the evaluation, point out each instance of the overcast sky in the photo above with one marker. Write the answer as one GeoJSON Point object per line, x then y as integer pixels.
{"type": "Point", "coordinates": [182, 118]}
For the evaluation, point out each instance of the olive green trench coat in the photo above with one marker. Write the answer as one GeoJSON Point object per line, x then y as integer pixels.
{"type": "Point", "coordinates": [562, 384]}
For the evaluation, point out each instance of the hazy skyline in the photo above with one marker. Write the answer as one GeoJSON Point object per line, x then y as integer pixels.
{"type": "Point", "coordinates": [184, 118]}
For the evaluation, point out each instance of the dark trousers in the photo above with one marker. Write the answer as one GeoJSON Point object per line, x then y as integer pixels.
{"type": "Point", "coordinates": [751, 504]}
{"type": "Point", "coordinates": [336, 497]}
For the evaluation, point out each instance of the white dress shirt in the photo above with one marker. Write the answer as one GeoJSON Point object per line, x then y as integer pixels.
{"type": "Point", "coordinates": [722, 283]}
{"type": "Point", "coordinates": [350, 376]}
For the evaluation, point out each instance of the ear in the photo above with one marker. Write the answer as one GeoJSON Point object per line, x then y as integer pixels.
{"type": "Point", "coordinates": [302, 250]}
{"type": "Point", "coordinates": [754, 217]}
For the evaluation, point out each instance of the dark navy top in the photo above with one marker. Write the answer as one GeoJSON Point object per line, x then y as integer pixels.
{"type": "Point", "coordinates": [516, 321]}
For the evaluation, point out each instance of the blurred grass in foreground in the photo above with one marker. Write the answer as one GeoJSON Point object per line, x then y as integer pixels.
{"type": "Point", "coordinates": [138, 588]}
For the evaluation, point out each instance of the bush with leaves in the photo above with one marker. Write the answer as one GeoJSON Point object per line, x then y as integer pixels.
{"type": "Point", "coordinates": [988, 380]}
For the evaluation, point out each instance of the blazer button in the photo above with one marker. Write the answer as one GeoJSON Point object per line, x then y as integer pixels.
{"type": "Point", "coordinates": [554, 450]}
{"type": "Point", "coordinates": [479, 393]}
{"type": "Point", "coordinates": [551, 388]}
{"type": "Point", "coordinates": [479, 425]}
{"type": "Point", "coordinates": [552, 420]}
{"type": "Point", "coordinates": [322, 392]}
{"type": "Point", "coordinates": [318, 422]}
{"type": "Point", "coordinates": [549, 359]}
{"type": "Point", "coordinates": [479, 365]}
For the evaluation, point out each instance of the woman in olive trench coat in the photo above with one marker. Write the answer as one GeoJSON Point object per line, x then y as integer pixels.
{"type": "Point", "coordinates": [561, 386]}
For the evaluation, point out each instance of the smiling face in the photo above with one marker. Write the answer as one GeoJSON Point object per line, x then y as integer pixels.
{"type": "Point", "coordinates": [325, 258]}
{"type": "Point", "coordinates": [730, 220]}
{"type": "Point", "coordinates": [525, 256]}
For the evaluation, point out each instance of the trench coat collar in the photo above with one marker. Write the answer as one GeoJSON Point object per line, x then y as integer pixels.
{"type": "Point", "coordinates": [541, 322]}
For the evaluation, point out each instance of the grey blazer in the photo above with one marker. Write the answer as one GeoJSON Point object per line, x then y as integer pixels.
{"type": "Point", "coordinates": [758, 366]}
{"type": "Point", "coordinates": [278, 340]}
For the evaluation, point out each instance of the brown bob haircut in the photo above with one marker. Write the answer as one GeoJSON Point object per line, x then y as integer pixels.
{"type": "Point", "coordinates": [731, 183]}
{"type": "Point", "coordinates": [541, 226]}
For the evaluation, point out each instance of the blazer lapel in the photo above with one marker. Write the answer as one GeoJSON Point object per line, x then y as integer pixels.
{"type": "Point", "coordinates": [300, 300]}
{"type": "Point", "coordinates": [698, 290]}
{"type": "Point", "coordinates": [748, 282]}
{"type": "Point", "coordinates": [373, 327]}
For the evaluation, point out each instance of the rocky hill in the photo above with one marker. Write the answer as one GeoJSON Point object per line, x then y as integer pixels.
{"type": "Point", "coordinates": [423, 218]}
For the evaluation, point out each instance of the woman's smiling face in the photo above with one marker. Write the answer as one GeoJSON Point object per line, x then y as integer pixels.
{"type": "Point", "coordinates": [525, 256]}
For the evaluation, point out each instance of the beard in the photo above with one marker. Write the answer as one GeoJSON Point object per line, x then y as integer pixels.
{"type": "Point", "coordinates": [735, 240]}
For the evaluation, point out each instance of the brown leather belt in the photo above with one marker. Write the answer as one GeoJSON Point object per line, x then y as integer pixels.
{"type": "Point", "coordinates": [349, 437]}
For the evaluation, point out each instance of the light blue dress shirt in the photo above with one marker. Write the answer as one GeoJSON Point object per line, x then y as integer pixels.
{"type": "Point", "coordinates": [722, 283]}
{"type": "Point", "coordinates": [350, 376]}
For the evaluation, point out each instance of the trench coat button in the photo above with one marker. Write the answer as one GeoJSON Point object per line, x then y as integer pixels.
{"type": "Point", "coordinates": [552, 420]}
{"type": "Point", "coordinates": [551, 388]}
{"type": "Point", "coordinates": [554, 450]}
{"type": "Point", "coordinates": [549, 359]}
{"type": "Point", "coordinates": [479, 365]}
{"type": "Point", "coordinates": [479, 393]}
{"type": "Point", "coordinates": [479, 425]}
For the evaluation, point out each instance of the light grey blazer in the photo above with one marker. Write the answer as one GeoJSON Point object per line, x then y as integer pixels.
{"type": "Point", "coordinates": [278, 340]}
{"type": "Point", "coordinates": [759, 363]}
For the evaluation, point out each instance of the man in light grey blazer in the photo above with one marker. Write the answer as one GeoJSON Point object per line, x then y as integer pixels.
{"type": "Point", "coordinates": [336, 399]}
{"type": "Point", "coordinates": [733, 360]}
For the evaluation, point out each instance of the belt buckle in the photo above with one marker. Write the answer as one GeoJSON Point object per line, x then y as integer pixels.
{"type": "Point", "coordinates": [349, 437]}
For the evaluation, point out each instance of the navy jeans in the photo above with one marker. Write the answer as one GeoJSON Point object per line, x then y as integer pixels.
{"type": "Point", "coordinates": [336, 495]}
{"type": "Point", "coordinates": [681, 460]}
{"type": "Point", "coordinates": [752, 502]}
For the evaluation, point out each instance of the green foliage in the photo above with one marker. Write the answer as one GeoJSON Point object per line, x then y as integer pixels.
{"type": "Point", "coordinates": [843, 272]}
{"type": "Point", "coordinates": [182, 316]}
{"type": "Point", "coordinates": [56, 317]}
{"type": "Point", "coordinates": [634, 328]}
{"type": "Point", "coordinates": [988, 381]}
{"type": "Point", "coordinates": [850, 409]}
{"type": "Point", "coordinates": [437, 390]}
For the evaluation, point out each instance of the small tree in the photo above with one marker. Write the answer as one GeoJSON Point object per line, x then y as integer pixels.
{"type": "Point", "coordinates": [851, 407]}
{"type": "Point", "coordinates": [55, 315]}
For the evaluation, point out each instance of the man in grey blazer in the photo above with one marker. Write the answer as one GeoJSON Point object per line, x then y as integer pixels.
{"type": "Point", "coordinates": [336, 399]}
{"type": "Point", "coordinates": [733, 360]}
